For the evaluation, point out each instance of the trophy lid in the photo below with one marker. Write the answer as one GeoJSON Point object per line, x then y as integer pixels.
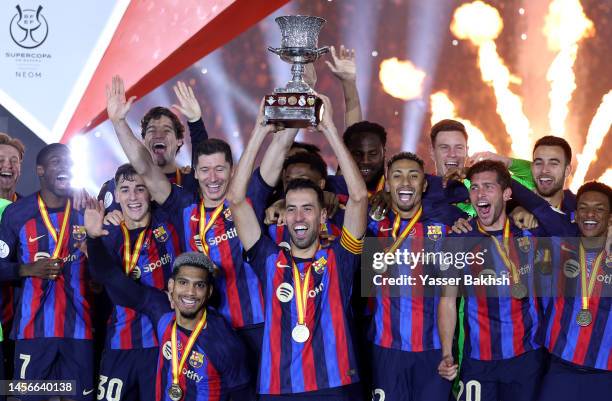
{"type": "Point", "coordinates": [300, 30]}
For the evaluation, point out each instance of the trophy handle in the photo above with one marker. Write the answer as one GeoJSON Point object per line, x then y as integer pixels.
{"type": "Point", "coordinates": [275, 50]}
{"type": "Point", "coordinates": [322, 51]}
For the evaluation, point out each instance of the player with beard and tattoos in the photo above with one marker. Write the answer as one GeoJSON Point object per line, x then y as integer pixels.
{"type": "Point", "coordinates": [307, 287]}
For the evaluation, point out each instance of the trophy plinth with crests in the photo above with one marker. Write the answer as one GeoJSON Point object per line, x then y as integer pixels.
{"type": "Point", "coordinates": [296, 105]}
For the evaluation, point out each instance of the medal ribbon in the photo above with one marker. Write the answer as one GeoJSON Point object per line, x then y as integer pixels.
{"type": "Point", "coordinates": [177, 367]}
{"type": "Point", "coordinates": [179, 177]}
{"type": "Point", "coordinates": [587, 290]}
{"type": "Point", "coordinates": [379, 187]}
{"type": "Point", "coordinates": [405, 232]}
{"type": "Point", "coordinates": [204, 226]}
{"type": "Point", "coordinates": [301, 289]}
{"type": "Point", "coordinates": [130, 259]}
{"type": "Point", "coordinates": [505, 251]}
{"type": "Point", "coordinates": [63, 234]}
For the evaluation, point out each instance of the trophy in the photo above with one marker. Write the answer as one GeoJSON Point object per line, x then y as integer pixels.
{"type": "Point", "coordinates": [296, 105]}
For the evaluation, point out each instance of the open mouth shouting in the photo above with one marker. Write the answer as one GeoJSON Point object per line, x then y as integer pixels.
{"type": "Point", "coordinates": [483, 208]}
{"type": "Point", "coordinates": [451, 164]}
{"type": "Point", "coordinates": [590, 226]}
{"type": "Point", "coordinates": [7, 176]}
{"type": "Point", "coordinates": [300, 230]}
{"type": "Point", "coordinates": [159, 148]}
{"type": "Point", "coordinates": [62, 180]}
{"type": "Point", "coordinates": [545, 182]}
{"type": "Point", "coordinates": [405, 195]}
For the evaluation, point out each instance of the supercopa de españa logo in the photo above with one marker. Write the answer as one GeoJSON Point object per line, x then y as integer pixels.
{"type": "Point", "coordinates": [29, 28]}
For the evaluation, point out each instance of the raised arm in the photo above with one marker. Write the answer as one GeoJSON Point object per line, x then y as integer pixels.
{"type": "Point", "coordinates": [189, 106]}
{"type": "Point", "coordinates": [245, 219]}
{"type": "Point", "coordinates": [355, 217]}
{"type": "Point", "coordinates": [117, 108]}
{"type": "Point", "coordinates": [344, 68]}
{"type": "Point", "coordinates": [272, 162]}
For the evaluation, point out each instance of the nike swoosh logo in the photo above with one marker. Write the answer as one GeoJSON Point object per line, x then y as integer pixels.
{"type": "Point", "coordinates": [30, 239]}
{"type": "Point", "coordinates": [194, 218]}
{"type": "Point", "coordinates": [87, 392]}
{"type": "Point", "coordinates": [386, 229]}
{"type": "Point", "coordinates": [280, 265]}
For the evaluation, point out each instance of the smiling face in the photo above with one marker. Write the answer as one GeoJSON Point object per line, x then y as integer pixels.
{"type": "Point", "coordinates": [10, 167]}
{"type": "Point", "coordinates": [549, 169]}
{"type": "Point", "coordinates": [161, 140]}
{"type": "Point", "coordinates": [369, 154]}
{"type": "Point", "coordinates": [133, 197]}
{"type": "Point", "coordinates": [489, 199]}
{"type": "Point", "coordinates": [449, 151]}
{"type": "Point", "coordinates": [303, 217]}
{"type": "Point", "coordinates": [406, 184]}
{"type": "Point", "coordinates": [54, 172]}
{"type": "Point", "coordinates": [190, 290]}
{"type": "Point", "coordinates": [593, 214]}
{"type": "Point", "coordinates": [213, 173]}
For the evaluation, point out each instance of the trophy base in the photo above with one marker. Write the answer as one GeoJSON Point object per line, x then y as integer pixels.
{"type": "Point", "coordinates": [293, 110]}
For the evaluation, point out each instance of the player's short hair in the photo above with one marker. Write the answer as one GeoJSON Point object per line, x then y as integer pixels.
{"type": "Point", "coordinates": [503, 175]}
{"type": "Point", "coordinates": [313, 160]}
{"type": "Point", "coordinates": [125, 172]}
{"type": "Point", "coordinates": [5, 139]}
{"type": "Point", "coordinates": [364, 127]}
{"type": "Point", "coordinates": [405, 156]}
{"type": "Point", "coordinates": [595, 186]}
{"type": "Point", "coordinates": [308, 147]}
{"type": "Point", "coordinates": [194, 259]}
{"type": "Point", "coordinates": [41, 157]}
{"type": "Point", "coordinates": [446, 125]}
{"type": "Point", "coordinates": [155, 114]}
{"type": "Point", "coordinates": [211, 146]}
{"type": "Point", "coordinates": [303, 183]}
{"type": "Point", "coordinates": [551, 140]}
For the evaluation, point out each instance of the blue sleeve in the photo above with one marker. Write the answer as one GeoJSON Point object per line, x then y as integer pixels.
{"type": "Point", "coordinates": [336, 184]}
{"type": "Point", "coordinates": [552, 222]}
{"type": "Point", "coordinates": [9, 241]}
{"type": "Point", "coordinates": [258, 254]}
{"type": "Point", "coordinates": [177, 200]}
{"type": "Point", "coordinates": [197, 134]}
{"type": "Point", "coordinates": [259, 192]}
{"type": "Point", "coordinates": [122, 290]}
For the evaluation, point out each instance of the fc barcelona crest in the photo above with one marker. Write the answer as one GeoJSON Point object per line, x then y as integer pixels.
{"type": "Point", "coordinates": [319, 265]}
{"type": "Point", "coordinates": [524, 244]}
{"type": "Point", "coordinates": [196, 360]}
{"type": "Point", "coordinates": [160, 234]}
{"type": "Point", "coordinates": [227, 214]}
{"type": "Point", "coordinates": [79, 233]}
{"type": "Point", "coordinates": [434, 232]}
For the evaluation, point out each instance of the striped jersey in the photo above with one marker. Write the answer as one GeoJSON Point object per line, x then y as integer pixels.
{"type": "Point", "coordinates": [326, 359]}
{"type": "Point", "coordinates": [46, 308]}
{"type": "Point", "coordinates": [406, 319]}
{"type": "Point", "coordinates": [589, 346]}
{"type": "Point", "coordinates": [128, 329]}
{"type": "Point", "coordinates": [217, 363]}
{"type": "Point", "coordinates": [241, 302]}
{"type": "Point", "coordinates": [498, 326]}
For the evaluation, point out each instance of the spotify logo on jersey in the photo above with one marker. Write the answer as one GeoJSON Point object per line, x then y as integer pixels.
{"type": "Point", "coordinates": [284, 292]}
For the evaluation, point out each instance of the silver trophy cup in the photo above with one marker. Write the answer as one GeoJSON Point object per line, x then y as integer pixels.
{"type": "Point", "coordinates": [296, 105]}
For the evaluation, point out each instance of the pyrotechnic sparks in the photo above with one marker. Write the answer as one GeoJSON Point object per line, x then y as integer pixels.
{"type": "Point", "coordinates": [600, 125]}
{"type": "Point", "coordinates": [401, 79]}
{"type": "Point", "coordinates": [565, 25]}
{"type": "Point", "coordinates": [481, 23]}
{"type": "Point", "coordinates": [606, 178]}
{"type": "Point", "coordinates": [442, 107]}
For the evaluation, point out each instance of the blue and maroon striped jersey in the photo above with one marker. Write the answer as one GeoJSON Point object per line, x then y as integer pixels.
{"type": "Point", "coordinates": [589, 346]}
{"type": "Point", "coordinates": [128, 329]}
{"type": "Point", "coordinates": [241, 302]}
{"type": "Point", "coordinates": [498, 326]}
{"type": "Point", "coordinates": [408, 320]}
{"type": "Point", "coordinates": [46, 308]}
{"type": "Point", "coordinates": [327, 358]}
{"type": "Point", "coordinates": [217, 363]}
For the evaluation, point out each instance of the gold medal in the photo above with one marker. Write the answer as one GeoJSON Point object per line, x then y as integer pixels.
{"type": "Point", "coordinates": [175, 392]}
{"type": "Point", "coordinates": [584, 317]}
{"type": "Point", "coordinates": [518, 291]}
{"type": "Point", "coordinates": [300, 333]}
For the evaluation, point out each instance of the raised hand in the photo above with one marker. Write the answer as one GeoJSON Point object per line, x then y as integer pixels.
{"type": "Point", "coordinates": [94, 218]}
{"type": "Point", "coordinates": [344, 67]}
{"type": "Point", "coordinates": [188, 104]}
{"type": "Point", "coordinates": [116, 105]}
{"type": "Point", "coordinates": [327, 120]}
